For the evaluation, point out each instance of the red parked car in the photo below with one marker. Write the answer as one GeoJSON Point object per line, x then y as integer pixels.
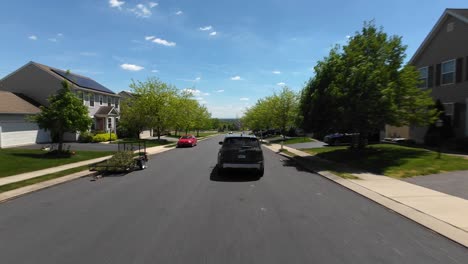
{"type": "Point", "coordinates": [187, 140]}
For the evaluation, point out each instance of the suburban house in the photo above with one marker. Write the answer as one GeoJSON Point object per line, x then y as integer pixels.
{"type": "Point", "coordinates": [37, 82]}
{"type": "Point", "coordinates": [442, 60]}
{"type": "Point", "coordinates": [15, 129]}
{"type": "Point", "coordinates": [124, 95]}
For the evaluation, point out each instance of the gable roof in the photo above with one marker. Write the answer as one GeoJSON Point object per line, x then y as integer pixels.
{"type": "Point", "coordinates": [460, 14]}
{"type": "Point", "coordinates": [11, 103]}
{"type": "Point", "coordinates": [78, 80]}
{"type": "Point", "coordinates": [104, 111]}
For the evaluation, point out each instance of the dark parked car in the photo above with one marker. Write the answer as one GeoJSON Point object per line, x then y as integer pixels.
{"type": "Point", "coordinates": [346, 138]}
{"type": "Point", "coordinates": [338, 139]}
{"type": "Point", "coordinates": [240, 152]}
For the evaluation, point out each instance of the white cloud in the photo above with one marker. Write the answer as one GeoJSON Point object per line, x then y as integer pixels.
{"type": "Point", "coordinates": [152, 4]}
{"type": "Point", "coordinates": [220, 91]}
{"type": "Point", "coordinates": [206, 28]}
{"type": "Point", "coordinates": [206, 94]}
{"type": "Point", "coordinates": [164, 42]}
{"type": "Point", "coordinates": [116, 3]}
{"type": "Point", "coordinates": [59, 35]}
{"type": "Point", "coordinates": [154, 71]}
{"type": "Point", "coordinates": [213, 33]}
{"type": "Point", "coordinates": [276, 72]}
{"type": "Point", "coordinates": [348, 36]}
{"type": "Point", "coordinates": [179, 13]}
{"type": "Point", "coordinates": [131, 67]}
{"type": "Point", "coordinates": [281, 84]}
{"type": "Point", "coordinates": [244, 99]}
{"type": "Point", "coordinates": [32, 37]}
{"type": "Point", "coordinates": [53, 39]}
{"type": "Point", "coordinates": [194, 92]}
{"type": "Point", "coordinates": [149, 37]}
{"type": "Point", "coordinates": [141, 10]}
{"type": "Point", "coordinates": [197, 79]}
{"type": "Point", "coordinates": [236, 78]}
{"type": "Point", "coordinates": [199, 98]}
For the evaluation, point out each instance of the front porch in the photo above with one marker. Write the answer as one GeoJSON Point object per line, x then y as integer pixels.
{"type": "Point", "coordinates": [106, 119]}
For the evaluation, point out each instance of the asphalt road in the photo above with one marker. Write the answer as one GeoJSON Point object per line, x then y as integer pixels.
{"type": "Point", "coordinates": [180, 211]}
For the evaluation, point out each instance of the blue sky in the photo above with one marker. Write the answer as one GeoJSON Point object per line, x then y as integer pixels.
{"type": "Point", "coordinates": [231, 52]}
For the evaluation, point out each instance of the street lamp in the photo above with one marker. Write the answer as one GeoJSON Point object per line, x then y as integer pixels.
{"type": "Point", "coordinates": [439, 124]}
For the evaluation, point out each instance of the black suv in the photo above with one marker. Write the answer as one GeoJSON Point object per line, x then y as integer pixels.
{"type": "Point", "coordinates": [240, 152]}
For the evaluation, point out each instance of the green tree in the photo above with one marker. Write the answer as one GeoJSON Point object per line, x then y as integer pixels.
{"type": "Point", "coordinates": [284, 107]}
{"type": "Point", "coordinates": [65, 113]}
{"type": "Point", "coordinates": [131, 116]}
{"type": "Point", "coordinates": [155, 99]}
{"type": "Point", "coordinates": [366, 86]}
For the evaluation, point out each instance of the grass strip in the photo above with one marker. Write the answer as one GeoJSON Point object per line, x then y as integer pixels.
{"type": "Point", "coordinates": [51, 176]}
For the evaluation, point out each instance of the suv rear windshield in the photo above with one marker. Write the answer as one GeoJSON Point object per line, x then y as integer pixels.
{"type": "Point", "coordinates": [184, 137]}
{"type": "Point", "coordinates": [241, 142]}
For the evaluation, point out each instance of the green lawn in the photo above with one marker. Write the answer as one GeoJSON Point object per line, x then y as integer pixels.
{"type": "Point", "coordinates": [16, 185]}
{"type": "Point", "coordinates": [392, 160]}
{"type": "Point", "coordinates": [15, 161]}
{"type": "Point", "coordinates": [293, 140]}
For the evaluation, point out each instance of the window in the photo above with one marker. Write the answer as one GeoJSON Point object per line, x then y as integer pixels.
{"type": "Point", "coordinates": [116, 121]}
{"type": "Point", "coordinates": [109, 101]}
{"type": "Point", "coordinates": [91, 100]}
{"type": "Point", "coordinates": [449, 111]}
{"type": "Point", "coordinates": [100, 100]}
{"type": "Point", "coordinates": [448, 72]}
{"type": "Point", "coordinates": [109, 122]}
{"type": "Point", "coordinates": [116, 102]}
{"type": "Point", "coordinates": [423, 78]}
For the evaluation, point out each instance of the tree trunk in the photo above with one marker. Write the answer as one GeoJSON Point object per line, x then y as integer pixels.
{"type": "Point", "coordinates": [159, 133]}
{"type": "Point", "coordinates": [198, 132]}
{"type": "Point", "coordinates": [60, 142]}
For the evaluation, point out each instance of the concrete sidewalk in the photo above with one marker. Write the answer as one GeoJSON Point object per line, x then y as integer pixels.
{"type": "Point", "coordinates": [443, 213]}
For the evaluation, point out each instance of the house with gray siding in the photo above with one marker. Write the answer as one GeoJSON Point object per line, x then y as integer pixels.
{"type": "Point", "coordinates": [442, 60]}
{"type": "Point", "coordinates": [38, 82]}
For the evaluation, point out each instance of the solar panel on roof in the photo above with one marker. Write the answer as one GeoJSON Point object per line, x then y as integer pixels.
{"type": "Point", "coordinates": [82, 81]}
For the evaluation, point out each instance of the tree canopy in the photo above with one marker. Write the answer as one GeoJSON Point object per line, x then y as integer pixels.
{"type": "Point", "coordinates": [363, 86]}
{"type": "Point", "coordinates": [65, 113]}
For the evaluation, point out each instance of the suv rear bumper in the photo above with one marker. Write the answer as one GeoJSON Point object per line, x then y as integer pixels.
{"type": "Point", "coordinates": [242, 166]}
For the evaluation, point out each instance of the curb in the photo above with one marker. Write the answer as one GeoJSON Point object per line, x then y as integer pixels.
{"type": "Point", "coordinates": [13, 194]}
{"type": "Point", "coordinates": [447, 230]}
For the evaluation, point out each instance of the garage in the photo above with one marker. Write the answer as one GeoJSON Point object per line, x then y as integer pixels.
{"type": "Point", "coordinates": [15, 129]}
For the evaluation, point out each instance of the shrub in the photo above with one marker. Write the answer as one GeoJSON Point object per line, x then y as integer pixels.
{"type": "Point", "coordinates": [86, 137]}
{"type": "Point", "coordinates": [121, 161]}
{"type": "Point", "coordinates": [102, 137]}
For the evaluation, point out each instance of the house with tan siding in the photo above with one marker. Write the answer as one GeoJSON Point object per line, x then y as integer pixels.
{"type": "Point", "coordinates": [442, 60]}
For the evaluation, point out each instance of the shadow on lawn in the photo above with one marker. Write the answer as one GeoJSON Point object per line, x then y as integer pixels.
{"type": "Point", "coordinates": [375, 160]}
{"type": "Point", "coordinates": [43, 155]}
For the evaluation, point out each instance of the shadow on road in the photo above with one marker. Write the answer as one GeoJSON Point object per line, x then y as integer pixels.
{"type": "Point", "coordinates": [233, 175]}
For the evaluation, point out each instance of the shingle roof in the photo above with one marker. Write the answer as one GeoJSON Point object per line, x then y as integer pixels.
{"type": "Point", "coordinates": [11, 103]}
{"type": "Point", "coordinates": [460, 14]}
{"type": "Point", "coordinates": [76, 79]}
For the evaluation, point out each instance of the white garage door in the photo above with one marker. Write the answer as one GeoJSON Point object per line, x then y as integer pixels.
{"type": "Point", "coordinates": [21, 133]}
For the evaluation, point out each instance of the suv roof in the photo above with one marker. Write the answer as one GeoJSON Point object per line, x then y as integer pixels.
{"type": "Point", "coordinates": [240, 135]}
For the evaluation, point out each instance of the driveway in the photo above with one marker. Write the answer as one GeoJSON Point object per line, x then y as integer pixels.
{"type": "Point", "coordinates": [454, 183]}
